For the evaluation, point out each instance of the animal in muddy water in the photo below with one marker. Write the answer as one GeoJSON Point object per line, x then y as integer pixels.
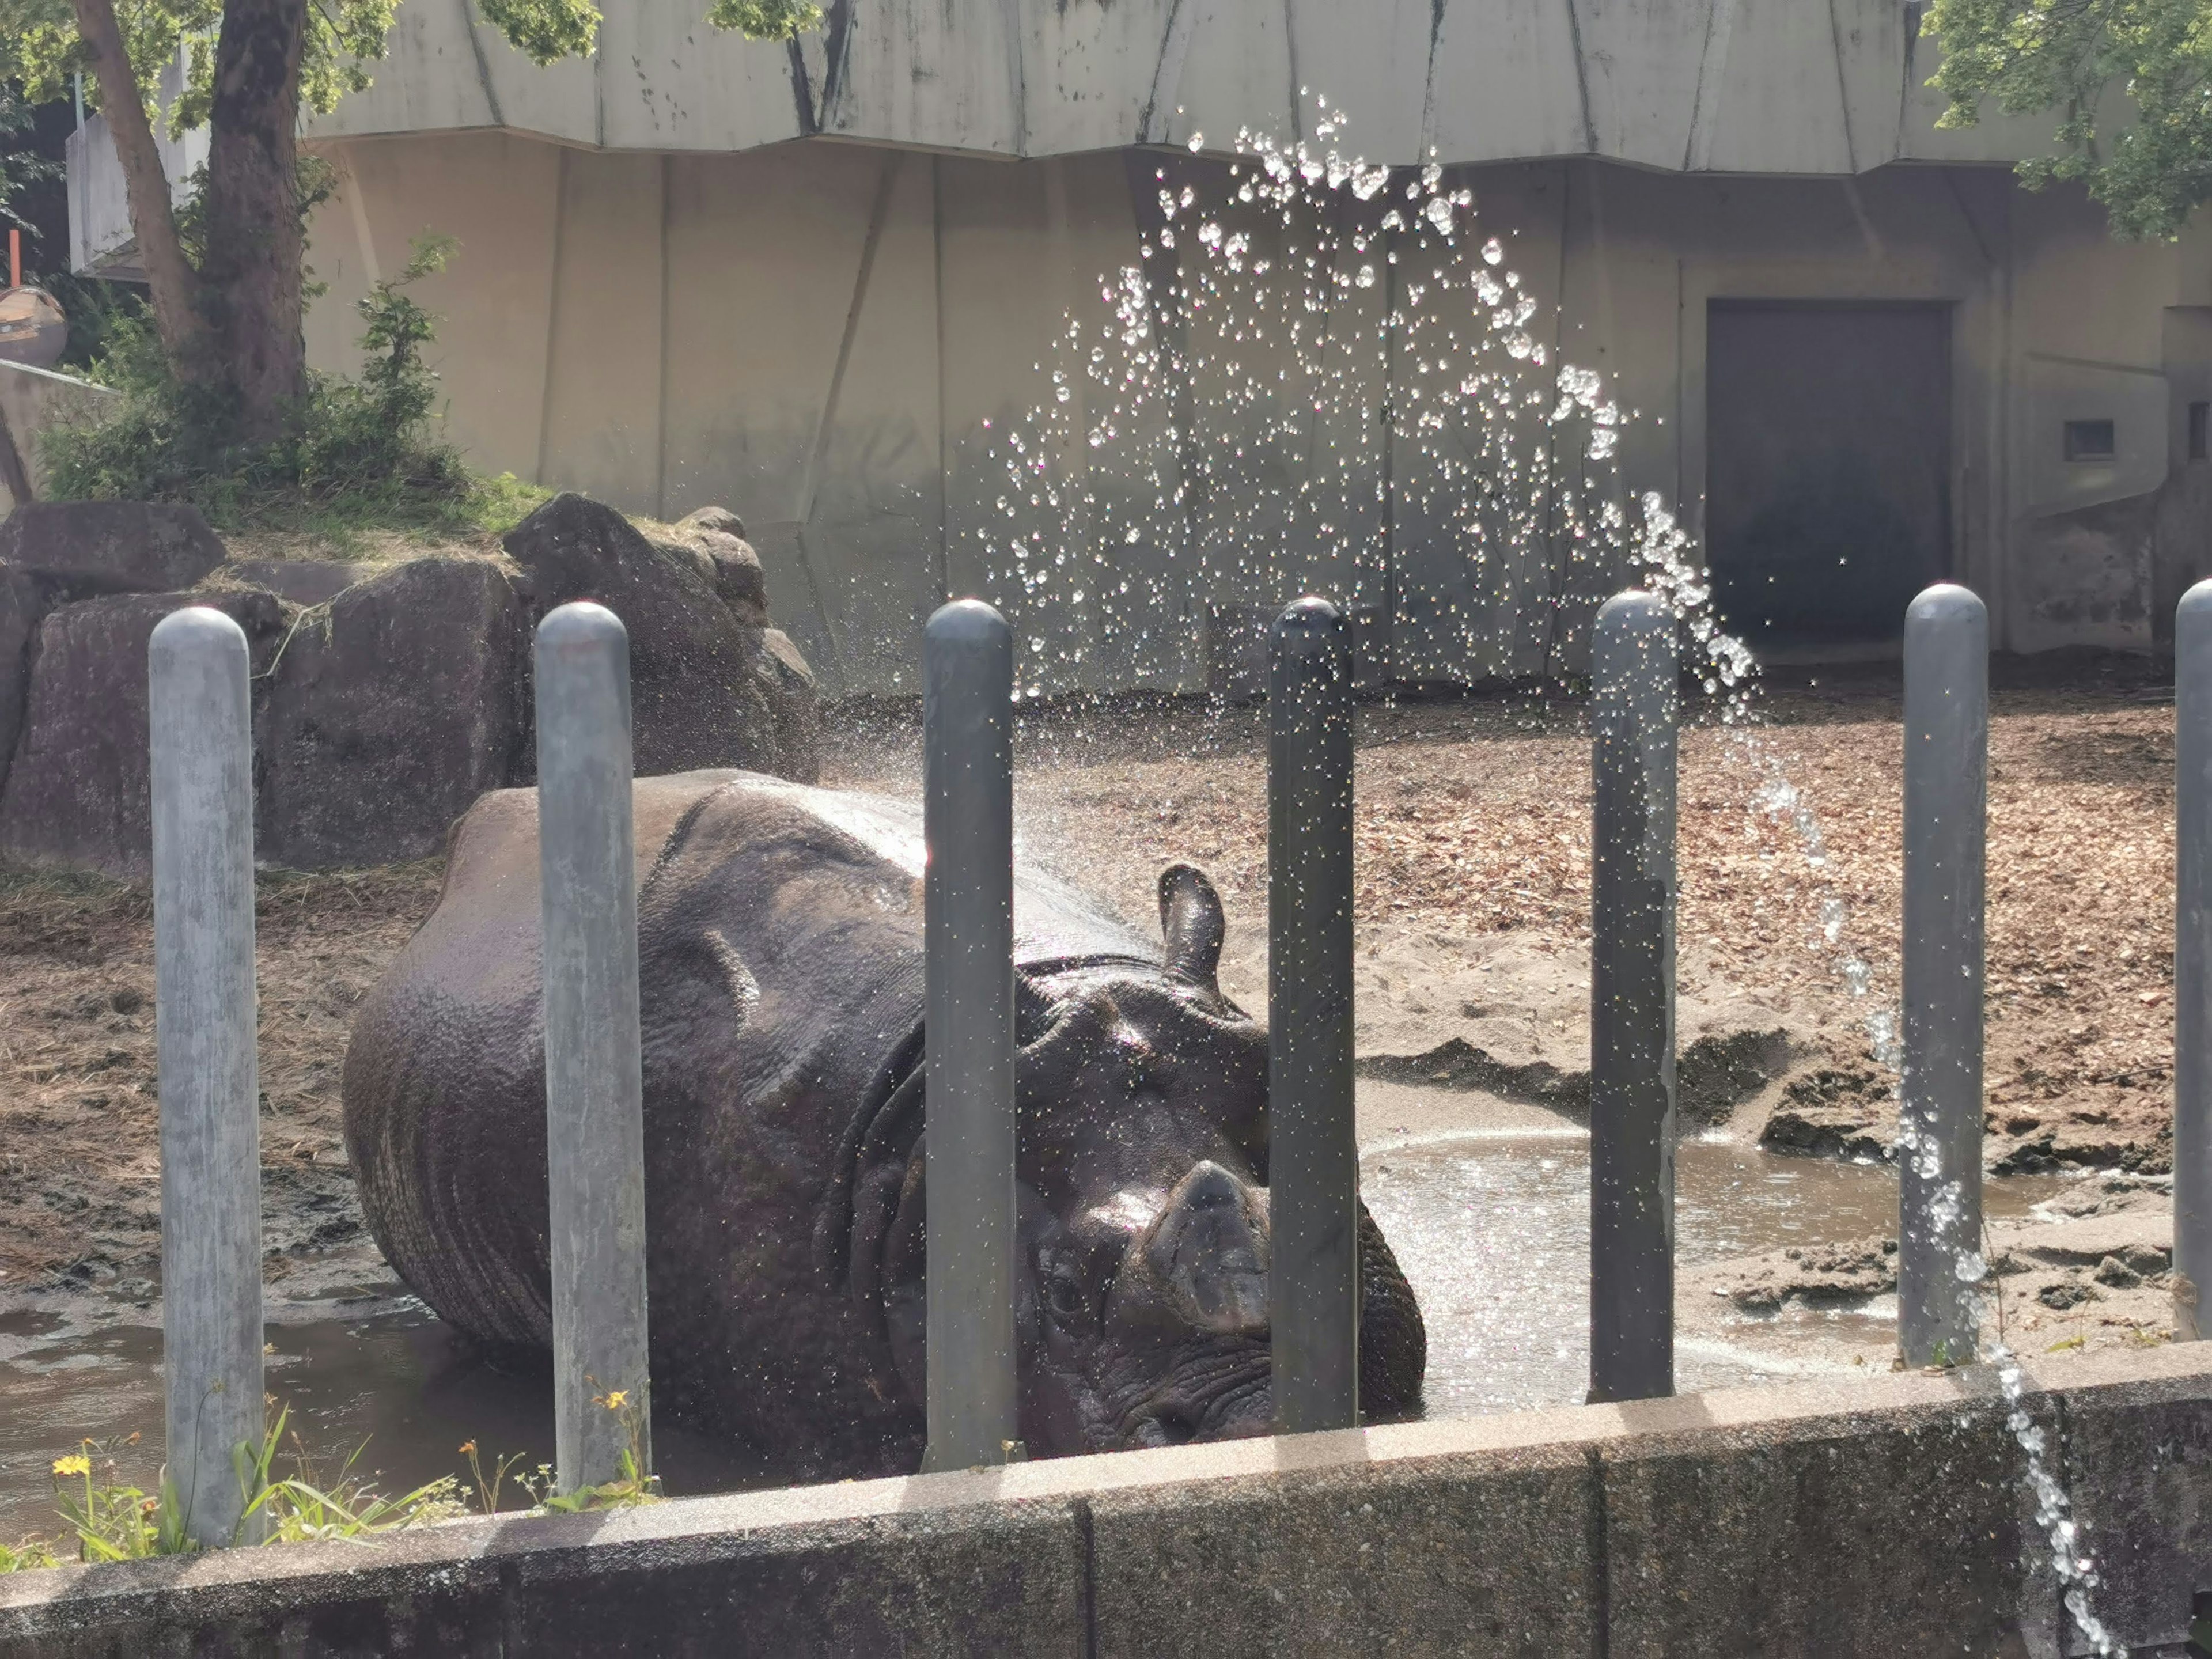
{"type": "Point", "coordinates": [780, 944]}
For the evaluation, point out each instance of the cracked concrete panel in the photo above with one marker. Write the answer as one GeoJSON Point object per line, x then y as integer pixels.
{"type": "Point", "coordinates": [1238, 74]}
{"type": "Point", "coordinates": [1642, 62]}
{"type": "Point", "coordinates": [1774, 102]}
{"type": "Point", "coordinates": [1089, 69]}
{"type": "Point", "coordinates": [1369, 61]}
{"type": "Point", "coordinates": [672, 81]}
{"type": "Point", "coordinates": [1504, 81]}
{"type": "Point", "coordinates": [943, 77]}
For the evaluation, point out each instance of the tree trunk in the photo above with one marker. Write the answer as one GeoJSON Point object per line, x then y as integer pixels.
{"type": "Point", "coordinates": [169, 277]}
{"type": "Point", "coordinates": [251, 276]}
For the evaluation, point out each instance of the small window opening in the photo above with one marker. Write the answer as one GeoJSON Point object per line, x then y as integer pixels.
{"type": "Point", "coordinates": [2200, 429]}
{"type": "Point", "coordinates": [2089, 440]}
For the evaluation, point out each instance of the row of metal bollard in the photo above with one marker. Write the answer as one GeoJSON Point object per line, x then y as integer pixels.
{"type": "Point", "coordinates": [202, 774]}
{"type": "Point", "coordinates": [1633, 718]}
{"type": "Point", "coordinates": [205, 1000]}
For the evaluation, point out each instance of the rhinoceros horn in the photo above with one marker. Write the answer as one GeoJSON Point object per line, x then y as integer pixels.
{"type": "Point", "coordinates": [1208, 1251]}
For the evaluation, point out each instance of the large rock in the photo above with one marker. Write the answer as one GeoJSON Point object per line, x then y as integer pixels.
{"type": "Point", "coordinates": [727, 559]}
{"type": "Point", "coordinates": [708, 687]}
{"type": "Point", "coordinates": [111, 547]}
{"type": "Point", "coordinates": [77, 793]}
{"type": "Point", "coordinates": [22, 605]}
{"type": "Point", "coordinates": [390, 710]}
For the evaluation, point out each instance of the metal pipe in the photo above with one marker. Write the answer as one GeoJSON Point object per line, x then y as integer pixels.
{"type": "Point", "coordinates": [2192, 960]}
{"type": "Point", "coordinates": [204, 1017]}
{"type": "Point", "coordinates": [1946, 730]}
{"type": "Point", "coordinates": [594, 1092]}
{"type": "Point", "coordinates": [968, 821]}
{"type": "Point", "coordinates": [1633, 715]}
{"type": "Point", "coordinates": [1313, 1158]}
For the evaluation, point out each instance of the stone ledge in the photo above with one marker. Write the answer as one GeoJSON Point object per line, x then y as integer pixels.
{"type": "Point", "coordinates": [1881, 1516]}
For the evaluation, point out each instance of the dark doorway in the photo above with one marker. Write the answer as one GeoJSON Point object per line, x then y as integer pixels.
{"type": "Point", "coordinates": [1828, 468]}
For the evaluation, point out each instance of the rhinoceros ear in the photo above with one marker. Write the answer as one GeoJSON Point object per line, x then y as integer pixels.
{"type": "Point", "coordinates": [1191, 920]}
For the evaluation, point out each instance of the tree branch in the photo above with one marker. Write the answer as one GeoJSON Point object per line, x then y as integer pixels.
{"type": "Point", "coordinates": [169, 276]}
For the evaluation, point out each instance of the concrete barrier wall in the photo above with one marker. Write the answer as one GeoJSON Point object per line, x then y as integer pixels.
{"type": "Point", "coordinates": [1888, 1516]}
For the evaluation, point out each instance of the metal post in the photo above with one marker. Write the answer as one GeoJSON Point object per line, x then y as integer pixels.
{"type": "Point", "coordinates": [1313, 1158]}
{"type": "Point", "coordinates": [594, 1094]}
{"type": "Point", "coordinates": [968, 821]}
{"type": "Point", "coordinates": [204, 1020]}
{"type": "Point", "coordinates": [2192, 960]}
{"type": "Point", "coordinates": [1633, 714]}
{"type": "Point", "coordinates": [1946, 731]}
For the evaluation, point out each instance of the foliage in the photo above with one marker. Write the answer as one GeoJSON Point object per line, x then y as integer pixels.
{"type": "Point", "coordinates": [113, 1522]}
{"type": "Point", "coordinates": [18, 167]}
{"type": "Point", "coordinates": [2068, 55]}
{"type": "Point", "coordinates": [352, 452]}
{"type": "Point", "coordinates": [38, 41]}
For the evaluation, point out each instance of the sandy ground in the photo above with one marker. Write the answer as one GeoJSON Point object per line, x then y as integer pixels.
{"type": "Point", "coordinates": [1473, 873]}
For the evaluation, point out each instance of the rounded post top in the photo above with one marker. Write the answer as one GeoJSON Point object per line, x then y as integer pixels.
{"type": "Point", "coordinates": [197, 630]}
{"type": "Point", "coordinates": [581, 624]}
{"type": "Point", "coordinates": [1635, 610]}
{"type": "Point", "coordinates": [967, 621]}
{"type": "Point", "coordinates": [1945, 602]}
{"type": "Point", "coordinates": [1310, 625]}
{"type": "Point", "coordinates": [2196, 603]}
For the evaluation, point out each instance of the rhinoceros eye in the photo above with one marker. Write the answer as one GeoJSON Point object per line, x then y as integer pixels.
{"type": "Point", "coordinates": [1063, 1294]}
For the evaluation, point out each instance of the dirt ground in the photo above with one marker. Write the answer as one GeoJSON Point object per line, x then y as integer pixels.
{"type": "Point", "coordinates": [1473, 873]}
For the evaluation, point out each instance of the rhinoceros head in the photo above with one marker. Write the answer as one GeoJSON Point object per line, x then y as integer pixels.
{"type": "Point", "coordinates": [1141, 1294]}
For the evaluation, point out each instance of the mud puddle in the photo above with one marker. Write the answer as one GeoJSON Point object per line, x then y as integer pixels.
{"type": "Point", "coordinates": [1490, 1221]}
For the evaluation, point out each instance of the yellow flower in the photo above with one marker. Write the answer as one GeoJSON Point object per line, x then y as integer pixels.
{"type": "Point", "coordinates": [74, 1464]}
{"type": "Point", "coordinates": [617, 1399]}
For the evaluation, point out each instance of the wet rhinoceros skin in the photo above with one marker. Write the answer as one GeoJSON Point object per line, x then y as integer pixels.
{"type": "Point", "coordinates": [779, 954]}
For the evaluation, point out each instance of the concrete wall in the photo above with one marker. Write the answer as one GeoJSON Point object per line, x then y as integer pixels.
{"type": "Point", "coordinates": [836, 339]}
{"type": "Point", "coordinates": [1728, 86]}
{"type": "Point", "coordinates": [1887, 1516]}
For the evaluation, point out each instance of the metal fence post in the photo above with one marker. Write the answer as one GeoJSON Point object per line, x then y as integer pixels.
{"type": "Point", "coordinates": [1946, 730]}
{"type": "Point", "coordinates": [968, 821]}
{"type": "Point", "coordinates": [1633, 710]}
{"type": "Point", "coordinates": [1312, 1159]}
{"type": "Point", "coordinates": [594, 1095]}
{"type": "Point", "coordinates": [2192, 960]}
{"type": "Point", "coordinates": [202, 770]}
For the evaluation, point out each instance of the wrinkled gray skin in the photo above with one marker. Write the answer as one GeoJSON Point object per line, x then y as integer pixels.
{"type": "Point", "coordinates": [779, 954]}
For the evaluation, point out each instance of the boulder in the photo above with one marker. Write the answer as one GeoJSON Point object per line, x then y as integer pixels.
{"type": "Point", "coordinates": [111, 547]}
{"type": "Point", "coordinates": [22, 603]}
{"type": "Point", "coordinates": [707, 687]}
{"type": "Point", "coordinates": [727, 559]}
{"type": "Point", "coordinates": [77, 793]}
{"type": "Point", "coordinates": [388, 712]}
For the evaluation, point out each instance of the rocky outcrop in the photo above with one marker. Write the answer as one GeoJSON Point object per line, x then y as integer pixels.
{"type": "Point", "coordinates": [84, 548]}
{"type": "Point", "coordinates": [389, 711]}
{"type": "Point", "coordinates": [386, 705]}
{"type": "Point", "coordinates": [78, 792]}
{"type": "Point", "coordinates": [708, 687]}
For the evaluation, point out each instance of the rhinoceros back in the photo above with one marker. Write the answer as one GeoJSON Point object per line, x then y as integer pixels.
{"type": "Point", "coordinates": [780, 964]}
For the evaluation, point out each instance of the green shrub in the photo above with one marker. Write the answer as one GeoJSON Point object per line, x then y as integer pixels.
{"type": "Point", "coordinates": [353, 454]}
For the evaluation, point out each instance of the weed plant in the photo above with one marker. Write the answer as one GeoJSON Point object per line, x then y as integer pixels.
{"type": "Point", "coordinates": [352, 455]}
{"type": "Point", "coordinates": [111, 1520]}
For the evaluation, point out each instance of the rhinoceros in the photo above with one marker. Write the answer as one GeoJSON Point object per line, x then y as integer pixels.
{"type": "Point", "coordinates": [780, 956]}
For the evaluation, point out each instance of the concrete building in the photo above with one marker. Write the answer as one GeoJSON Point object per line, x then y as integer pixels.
{"type": "Point", "coordinates": [825, 283]}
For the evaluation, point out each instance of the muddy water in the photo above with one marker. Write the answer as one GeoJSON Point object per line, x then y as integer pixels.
{"type": "Point", "coordinates": [1494, 1230]}
{"type": "Point", "coordinates": [1490, 1224]}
